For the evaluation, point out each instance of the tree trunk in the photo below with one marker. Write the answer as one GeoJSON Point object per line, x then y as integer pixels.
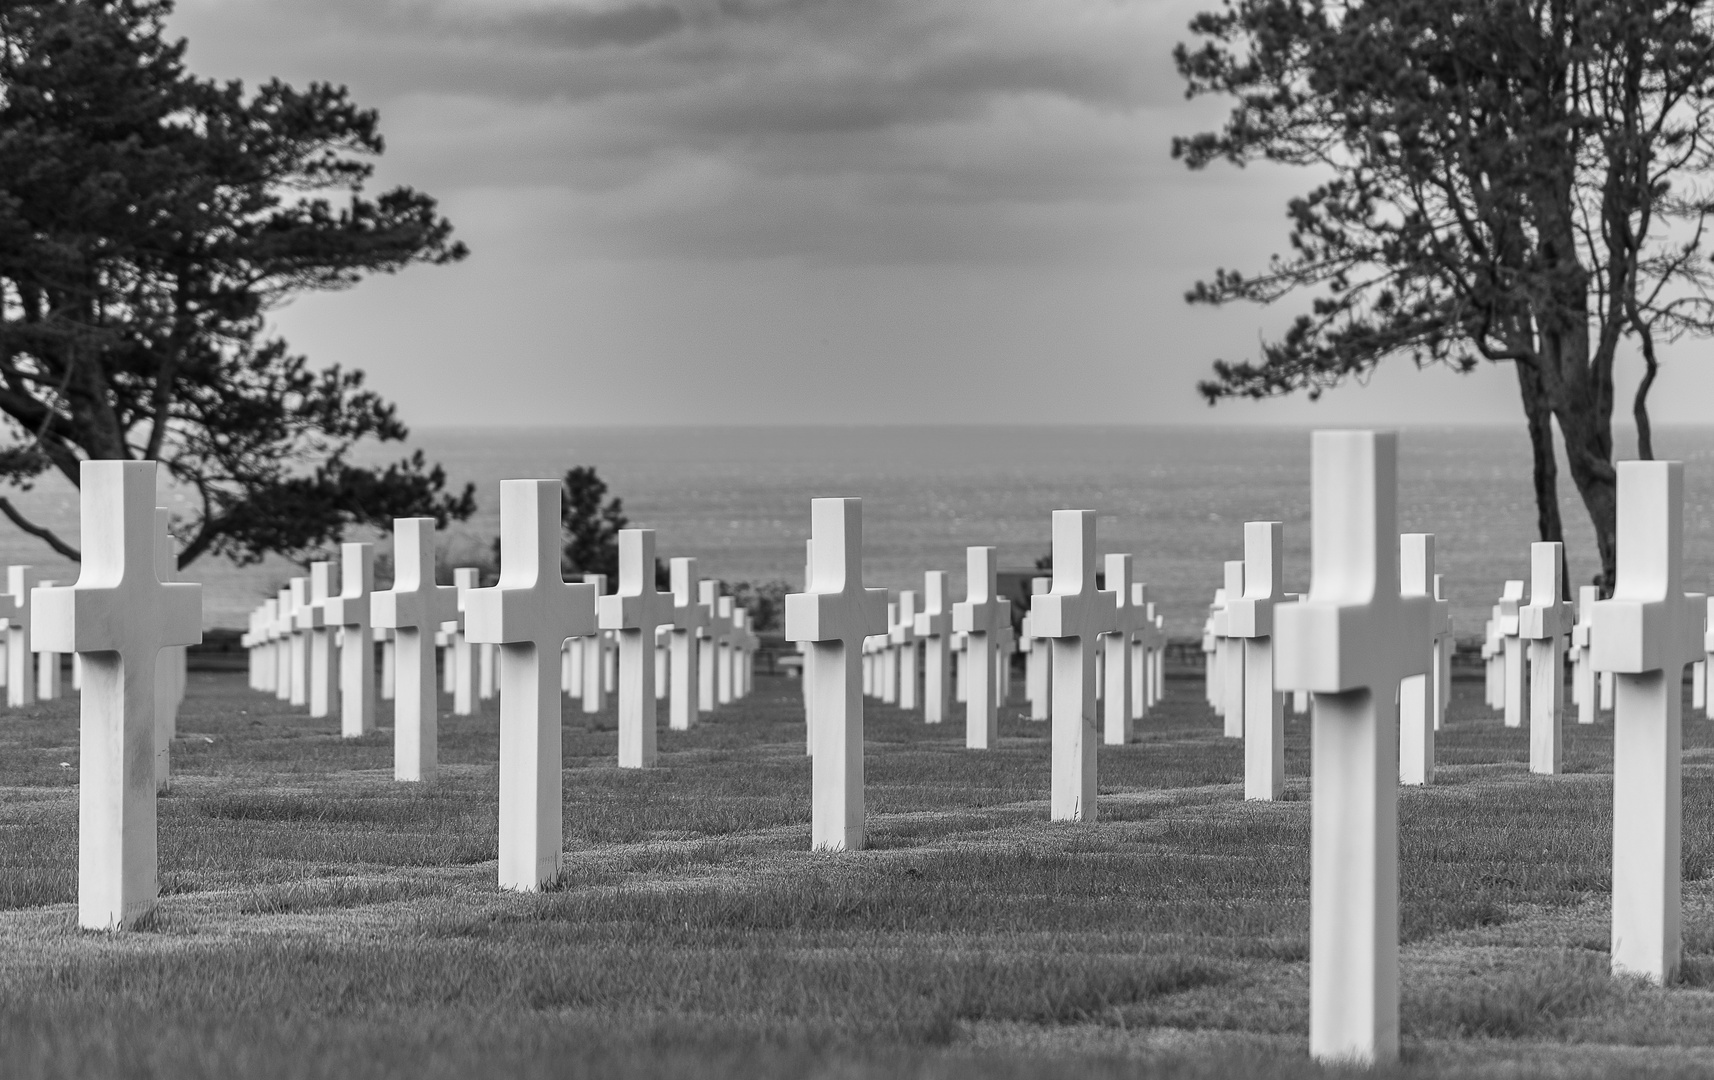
{"type": "Point", "coordinates": [1539, 413]}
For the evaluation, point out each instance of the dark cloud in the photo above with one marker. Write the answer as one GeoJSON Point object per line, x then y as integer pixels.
{"type": "Point", "coordinates": [624, 26]}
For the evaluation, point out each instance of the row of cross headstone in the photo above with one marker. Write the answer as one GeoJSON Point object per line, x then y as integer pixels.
{"type": "Point", "coordinates": [1241, 681]}
{"type": "Point", "coordinates": [1353, 642]}
{"type": "Point", "coordinates": [923, 660]}
{"type": "Point", "coordinates": [314, 645]}
{"type": "Point", "coordinates": [1368, 645]}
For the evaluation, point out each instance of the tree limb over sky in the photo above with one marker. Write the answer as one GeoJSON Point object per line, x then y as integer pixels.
{"type": "Point", "coordinates": [148, 221]}
{"type": "Point", "coordinates": [1510, 181]}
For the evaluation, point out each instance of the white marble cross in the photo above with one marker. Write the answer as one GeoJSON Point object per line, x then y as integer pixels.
{"type": "Point", "coordinates": [1646, 634]}
{"type": "Point", "coordinates": [1349, 642]}
{"type": "Point", "coordinates": [1074, 615]}
{"type": "Point", "coordinates": [903, 638]}
{"type": "Point", "coordinates": [1250, 622]}
{"type": "Point", "coordinates": [1142, 654]}
{"type": "Point", "coordinates": [1542, 623]}
{"type": "Point", "coordinates": [1441, 625]}
{"type": "Point", "coordinates": [529, 615]}
{"type": "Point", "coordinates": [1038, 665]}
{"type": "Point", "coordinates": [462, 653]}
{"type": "Point", "coordinates": [688, 617]}
{"type": "Point", "coordinates": [933, 628]}
{"type": "Point", "coordinates": [47, 666]}
{"type": "Point", "coordinates": [318, 635]}
{"type": "Point", "coordinates": [1516, 676]}
{"type": "Point", "coordinates": [594, 655]}
{"type": "Point", "coordinates": [725, 664]}
{"type": "Point", "coordinates": [20, 679]}
{"type": "Point", "coordinates": [169, 684]}
{"type": "Point", "coordinates": [350, 611]}
{"type": "Point", "coordinates": [744, 652]}
{"type": "Point", "coordinates": [1231, 654]}
{"type": "Point", "coordinates": [414, 608]}
{"type": "Point", "coordinates": [119, 616]}
{"type": "Point", "coordinates": [835, 614]}
{"type": "Point", "coordinates": [1416, 692]}
{"type": "Point", "coordinates": [708, 644]}
{"type": "Point", "coordinates": [634, 611]}
{"type": "Point", "coordinates": [1005, 644]}
{"type": "Point", "coordinates": [977, 616]}
{"type": "Point", "coordinates": [1116, 647]}
{"type": "Point", "coordinates": [300, 642]}
{"type": "Point", "coordinates": [1582, 671]}
{"type": "Point", "coordinates": [284, 621]}
{"type": "Point", "coordinates": [1211, 685]}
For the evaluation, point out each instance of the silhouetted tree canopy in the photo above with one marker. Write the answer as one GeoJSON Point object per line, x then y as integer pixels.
{"type": "Point", "coordinates": [149, 219]}
{"type": "Point", "coordinates": [1510, 181]}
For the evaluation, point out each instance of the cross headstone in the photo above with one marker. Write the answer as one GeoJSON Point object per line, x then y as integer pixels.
{"type": "Point", "coordinates": [47, 666]}
{"type": "Point", "coordinates": [1582, 671]}
{"type": "Point", "coordinates": [1512, 652]}
{"type": "Point", "coordinates": [594, 655]}
{"type": "Point", "coordinates": [413, 609]}
{"type": "Point", "coordinates": [119, 616]}
{"type": "Point", "coordinates": [1211, 684]}
{"type": "Point", "coordinates": [977, 616]}
{"type": "Point", "coordinates": [318, 635]}
{"type": "Point", "coordinates": [708, 644]}
{"type": "Point", "coordinates": [350, 611]}
{"type": "Point", "coordinates": [1074, 615]}
{"type": "Point", "coordinates": [1005, 645]}
{"type": "Point", "coordinates": [835, 614]}
{"type": "Point", "coordinates": [1443, 646]}
{"type": "Point", "coordinates": [1542, 624]}
{"type": "Point", "coordinates": [1116, 702]}
{"type": "Point", "coordinates": [933, 628]}
{"type": "Point", "coordinates": [1416, 692]}
{"type": "Point", "coordinates": [1708, 650]}
{"type": "Point", "coordinates": [903, 638]}
{"type": "Point", "coordinates": [1250, 622]}
{"type": "Point", "coordinates": [745, 653]}
{"type": "Point", "coordinates": [688, 617]}
{"type": "Point", "coordinates": [1038, 685]}
{"type": "Point", "coordinates": [1349, 642]}
{"type": "Point", "coordinates": [634, 611]}
{"type": "Point", "coordinates": [1142, 651]}
{"type": "Point", "coordinates": [1646, 634]}
{"type": "Point", "coordinates": [388, 685]}
{"type": "Point", "coordinates": [20, 679]}
{"type": "Point", "coordinates": [284, 620]}
{"type": "Point", "coordinates": [725, 664]}
{"type": "Point", "coordinates": [529, 615]}
{"type": "Point", "coordinates": [168, 688]}
{"type": "Point", "coordinates": [463, 653]}
{"type": "Point", "coordinates": [1231, 654]}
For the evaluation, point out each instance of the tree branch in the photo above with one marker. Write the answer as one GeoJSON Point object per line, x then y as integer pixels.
{"type": "Point", "coordinates": [38, 531]}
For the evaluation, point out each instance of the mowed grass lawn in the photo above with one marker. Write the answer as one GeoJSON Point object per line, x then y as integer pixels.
{"type": "Point", "coordinates": [319, 920]}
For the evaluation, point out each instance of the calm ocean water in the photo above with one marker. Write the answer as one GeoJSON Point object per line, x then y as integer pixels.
{"type": "Point", "coordinates": [1176, 498]}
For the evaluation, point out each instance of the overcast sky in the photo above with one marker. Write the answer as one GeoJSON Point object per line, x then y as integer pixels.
{"type": "Point", "coordinates": [761, 211]}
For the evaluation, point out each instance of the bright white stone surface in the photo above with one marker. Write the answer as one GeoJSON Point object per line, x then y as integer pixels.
{"type": "Point", "coordinates": [1250, 623]}
{"type": "Point", "coordinates": [1444, 643]}
{"type": "Point", "coordinates": [1512, 651]}
{"type": "Point", "coordinates": [977, 617]}
{"type": "Point", "coordinates": [1231, 654]}
{"type": "Point", "coordinates": [1349, 642]}
{"type": "Point", "coordinates": [414, 608]}
{"type": "Point", "coordinates": [284, 621]}
{"type": "Point", "coordinates": [933, 628]}
{"type": "Point", "coordinates": [1038, 684]}
{"type": "Point", "coordinates": [461, 654]}
{"type": "Point", "coordinates": [168, 672]}
{"type": "Point", "coordinates": [318, 638]}
{"type": "Point", "coordinates": [724, 664]}
{"type": "Point", "coordinates": [835, 615]}
{"type": "Point", "coordinates": [688, 618]}
{"type": "Point", "coordinates": [1074, 614]}
{"type": "Point", "coordinates": [119, 615]}
{"type": "Point", "coordinates": [594, 655]}
{"type": "Point", "coordinates": [903, 638]}
{"type": "Point", "coordinates": [48, 666]}
{"type": "Point", "coordinates": [634, 612]}
{"type": "Point", "coordinates": [1708, 646]}
{"type": "Point", "coordinates": [1416, 692]}
{"type": "Point", "coordinates": [1582, 671]}
{"type": "Point", "coordinates": [350, 611]}
{"type": "Point", "coordinates": [708, 644]}
{"type": "Point", "coordinates": [1116, 649]}
{"type": "Point", "coordinates": [1646, 634]}
{"type": "Point", "coordinates": [529, 614]}
{"type": "Point", "coordinates": [1543, 625]}
{"type": "Point", "coordinates": [20, 679]}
